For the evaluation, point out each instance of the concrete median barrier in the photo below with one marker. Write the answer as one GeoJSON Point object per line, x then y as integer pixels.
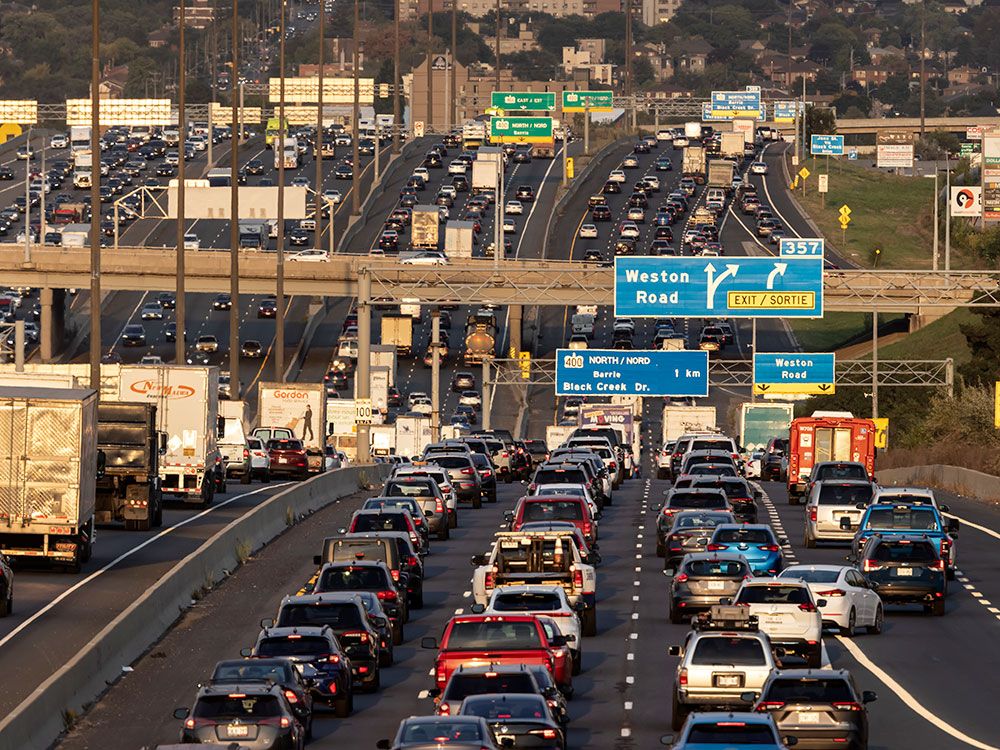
{"type": "Point", "coordinates": [65, 695]}
{"type": "Point", "coordinates": [957, 479]}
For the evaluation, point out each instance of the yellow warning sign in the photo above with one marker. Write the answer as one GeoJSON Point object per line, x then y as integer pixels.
{"type": "Point", "coordinates": [803, 173]}
{"type": "Point", "coordinates": [845, 210]}
{"type": "Point", "coordinates": [881, 432]}
{"type": "Point", "coordinates": [569, 167]}
{"type": "Point", "coordinates": [9, 130]}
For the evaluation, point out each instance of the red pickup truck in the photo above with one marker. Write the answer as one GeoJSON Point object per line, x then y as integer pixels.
{"type": "Point", "coordinates": [482, 640]}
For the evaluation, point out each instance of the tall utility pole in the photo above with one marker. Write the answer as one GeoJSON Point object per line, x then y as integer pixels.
{"type": "Point", "coordinates": [318, 153]}
{"type": "Point", "coordinates": [279, 149]}
{"type": "Point", "coordinates": [355, 160]}
{"type": "Point", "coordinates": [95, 197]}
{"type": "Point", "coordinates": [628, 59]}
{"type": "Point", "coordinates": [397, 123]}
{"type": "Point", "coordinates": [923, 76]}
{"type": "Point", "coordinates": [180, 308]}
{"type": "Point", "coordinates": [451, 106]}
{"type": "Point", "coordinates": [430, 68]}
{"type": "Point", "coordinates": [236, 134]}
{"type": "Point", "coordinates": [497, 47]}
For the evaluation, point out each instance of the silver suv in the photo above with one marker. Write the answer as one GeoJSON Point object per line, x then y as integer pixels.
{"type": "Point", "coordinates": [722, 658]}
{"type": "Point", "coordinates": [831, 500]}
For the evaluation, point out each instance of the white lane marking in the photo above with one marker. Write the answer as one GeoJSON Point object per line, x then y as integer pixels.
{"type": "Point", "coordinates": [825, 657]}
{"type": "Point", "coordinates": [423, 695]}
{"type": "Point", "coordinates": [125, 555]}
{"type": "Point", "coordinates": [976, 526]}
{"type": "Point", "coordinates": [907, 698]}
{"type": "Point", "coordinates": [626, 732]}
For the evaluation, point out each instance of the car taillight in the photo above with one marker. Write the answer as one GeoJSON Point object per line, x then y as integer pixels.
{"type": "Point", "coordinates": [504, 454]}
{"type": "Point", "coordinates": [549, 734]}
{"type": "Point", "coordinates": [444, 709]}
{"type": "Point", "coordinates": [668, 512]}
{"type": "Point", "coordinates": [847, 706]}
{"type": "Point", "coordinates": [770, 705]}
{"type": "Point", "coordinates": [768, 547]}
{"type": "Point", "coordinates": [807, 607]}
{"type": "Point", "coordinates": [394, 574]}
{"type": "Point", "coordinates": [812, 514]}
{"type": "Point", "coordinates": [387, 596]}
{"type": "Point", "coordinates": [682, 678]}
{"type": "Point", "coordinates": [680, 577]}
{"type": "Point", "coordinates": [833, 592]}
{"type": "Point", "coordinates": [467, 471]}
{"type": "Point", "coordinates": [438, 506]}
{"type": "Point", "coordinates": [613, 465]}
{"type": "Point", "coordinates": [587, 527]}
{"type": "Point", "coordinates": [578, 579]}
{"type": "Point", "coordinates": [490, 580]}
{"type": "Point", "coordinates": [869, 565]}
{"type": "Point", "coordinates": [945, 547]}
{"type": "Point", "coordinates": [412, 561]}
{"type": "Point", "coordinates": [715, 547]}
{"type": "Point", "coordinates": [246, 453]}
{"type": "Point", "coordinates": [939, 564]}
{"type": "Point", "coordinates": [291, 697]}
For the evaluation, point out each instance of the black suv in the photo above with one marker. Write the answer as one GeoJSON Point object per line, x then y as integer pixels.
{"type": "Point", "coordinates": [773, 464]}
{"type": "Point", "coordinates": [367, 575]}
{"type": "Point", "coordinates": [906, 569]}
{"type": "Point", "coordinates": [344, 613]}
{"type": "Point", "coordinates": [507, 679]}
{"type": "Point", "coordinates": [221, 714]}
{"type": "Point", "coordinates": [817, 707]}
{"type": "Point", "coordinates": [293, 680]}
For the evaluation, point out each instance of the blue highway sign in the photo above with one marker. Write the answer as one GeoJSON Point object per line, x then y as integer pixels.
{"type": "Point", "coordinates": [801, 247]}
{"type": "Point", "coordinates": [782, 373]}
{"type": "Point", "coordinates": [826, 145]}
{"type": "Point", "coordinates": [731, 287]}
{"type": "Point", "coordinates": [621, 372]}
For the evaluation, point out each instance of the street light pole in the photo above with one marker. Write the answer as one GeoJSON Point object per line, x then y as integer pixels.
{"type": "Point", "coordinates": [27, 202]}
{"type": "Point", "coordinates": [180, 309]}
{"type": "Point", "coordinates": [397, 123]}
{"type": "Point", "coordinates": [95, 197]}
{"type": "Point", "coordinates": [430, 68]}
{"type": "Point", "coordinates": [356, 130]}
{"type": "Point", "coordinates": [497, 47]}
{"type": "Point", "coordinates": [236, 135]}
{"type": "Point", "coordinates": [279, 152]}
{"type": "Point", "coordinates": [451, 105]}
{"type": "Point", "coordinates": [318, 146]}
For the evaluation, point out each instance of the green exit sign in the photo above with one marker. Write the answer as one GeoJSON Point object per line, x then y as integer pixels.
{"type": "Point", "coordinates": [523, 100]}
{"type": "Point", "coordinates": [581, 101]}
{"type": "Point", "coordinates": [520, 129]}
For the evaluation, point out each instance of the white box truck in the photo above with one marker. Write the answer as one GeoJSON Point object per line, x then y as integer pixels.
{"type": "Point", "coordinates": [397, 331]}
{"type": "Point", "coordinates": [556, 435]}
{"type": "Point", "coordinates": [298, 407]}
{"type": "Point", "coordinates": [82, 163]}
{"type": "Point", "coordinates": [458, 239]}
{"type": "Point", "coordinates": [79, 138]}
{"type": "Point", "coordinates": [48, 473]}
{"type": "Point", "coordinates": [383, 439]}
{"type": "Point", "coordinates": [692, 131]}
{"type": "Point", "coordinates": [187, 410]}
{"type": "Point", "coordinates": [413, 432]}
{"type": "Point", "coordinates": [424, 227]}
{"type": "Point", "coordinates": [678, 420]}
{"type": "Point", "coordinates": [384, 355]}
{"type": "Point", "coordinates": [484, 175]}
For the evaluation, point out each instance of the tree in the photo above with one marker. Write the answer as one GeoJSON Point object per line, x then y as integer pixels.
{"type": "Point", "coordinates": [983, 338]}
{"type": "Point", "coordinates": [642, 71]}
{"type": "Point", "coordinates": [852, 100]}
{"type": "Point", "coordinates": [820, 120]}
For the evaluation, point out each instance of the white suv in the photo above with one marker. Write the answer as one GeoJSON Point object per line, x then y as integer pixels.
{"type": "Point", "coordinates": [831, 500]}
{"type": "Point", "coordinates": [788, 613]}
{"type": "Point", "coordinates": [722, 658]}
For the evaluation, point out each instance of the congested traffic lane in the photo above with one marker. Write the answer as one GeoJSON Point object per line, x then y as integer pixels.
{"type": "Point", "coordinates": [56, 613]}
{"type": "Point", "coordinates": [136, 712]}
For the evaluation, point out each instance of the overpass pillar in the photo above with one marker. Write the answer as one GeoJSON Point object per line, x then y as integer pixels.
{"type": "Point", "coordinates": [53, 323]}
{"type": "Point", "coordinates": [363, 372]}
{"type": "Point", "coordinates": [516, 314]}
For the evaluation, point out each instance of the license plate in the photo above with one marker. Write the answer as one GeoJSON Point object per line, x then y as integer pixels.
{"type": "Point", "coordinates": [808, 717]}
{"type": "Point", "coordinates": [904, 572]}
{"type": "Point", "coordinates": [282, 460]}
{"type": "Point", "coordinates": [717, 585]}
{"type": "Point", "coordinates": [773, 619]}
{"type": "Point", "coordinates": [237, 730]}
{"type": "Point", "coordinates": [727, 680]}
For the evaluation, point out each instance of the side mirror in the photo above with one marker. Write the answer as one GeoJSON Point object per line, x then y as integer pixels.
{"type": "Point", "coordinates": [162, 443]}
{"type": "Point", "coordinates": [341, 531]}
{"type": "Point", "coordinates": [944, 508]}
{"type": "Point", "coordinates": [569, 638]}
{"type": "Point", "coordinates": [790, 741]}
{"type": "Point", "coordinates": [821, 603]}
{"type": "Point", "coordinates": [317, 559]}
{"type": "Point", "coordinates": [267, 622]}
{"type": "Point", "coordinates": [181, 713]}
{"type": "Point", "coordinates": [477, 609]}
{"type": "Point", "coordinates": [674, 651]}
{"type": "Point", "coordinates": [381, 622]}
{"type": "Point", "coordinates": [953, 525]}
{"type": "Point", "coordinates": [246, 653]}
{"type": "Point", "coordinates": [868, 696]}
{"type": "Point", "coordinates": [478, 560]}
{"type": "Point", "coordinates": [383, 745]}
{"type": "Point", "coordinates": [434, 692]}
{"type": "Point", "coordinates": [558, 641]}
{"type": "Point", "coordinates": [845, 523]}
{"type": "Point", "coordinates": [667, 739]}
{"type": "Point", "coordinates": [579, 606]}
{"type": "Point", "coordinates": [861, 506]}
{"type": "Point", "coordinates": [429, 642]}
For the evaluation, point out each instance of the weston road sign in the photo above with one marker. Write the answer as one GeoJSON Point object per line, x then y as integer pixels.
{"type": "Point", "coordinates": [525, 100]}
{"type": "Point", "coordinates": [520, 129]}
{"type": "Point", "coordinates": [734, 287]}
{"type": "Point", "coordinates": [619, 372]}
{"type": "Point", "coordinates": [778, 372]}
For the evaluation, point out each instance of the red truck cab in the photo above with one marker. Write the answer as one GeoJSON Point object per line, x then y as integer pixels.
{"type": "Point", "coordinates": [484, 640]}
{"type": "Point", "coordinates": [827, 438]}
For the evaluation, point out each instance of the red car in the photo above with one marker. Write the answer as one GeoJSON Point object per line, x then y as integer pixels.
{"type": "Point", "coordinates": [481, 640]}
{"type": "Point", "coordinates": [568, 508]}
{"type": "Point", "coordinates": [288, 457]}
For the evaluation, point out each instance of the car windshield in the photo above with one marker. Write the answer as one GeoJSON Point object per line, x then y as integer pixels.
{"type": "Point", "coordinates": [566, 510]}
{"type": "Point", "coordinates": [339, 615]}
{"type": "Point", "coordinates": [743, 536]}
{"type": "Point", "coordinates": [905, 517]}
{"type": "Point", "coordinates": [844, 494]}
{"type": "Point", "coordinates": [353, 578]}
{"type": "Point", "coordinates": [562, 489]}
{"type": "Point", "coordinates": [284, 445]}
{"type": "Point", "coordinates": [376, 503]}
{"type": "Point", "coordinates": [730, 568]}
{"type": "Point", "coordinates": [503, 707]}
{"type": "Point", "coordinates": [237, 706]}
{"type": "Point", "coordinates": [841, 471]}
{"type": "Point", "coordinates": [496, 634]}
{"type": "Point", "coordinates": [440, 732]}
{"type": "Point", "coordinates": [463, 685]}
{"type": "Point", "coordinates": [298, 645]}
{"type": "Point", "coordinates": [251, 670]}
{"type": "Point", "coordinates": [527, 602]}
{"type": "Point", "coordinates": [738, 652]}
{"type": "Point", "coordinates": [773, 594]}
{"type": "Point", "coordinates": [452, 462]}
{"type": "Point", "coordinates": [702, 520]}
{"type": "Point", "coordinates": [706, 444]}
{"type": "Point", "coordinates": [809, 690]}
{"type": "Point", "coordinates": [560, 476]}
{"type": "Point", "coordinates": [407, 489]}
{"type": "Point", "coordinates": [713, 470]}
{"type": "Point", "coordinates": [379, 522]}
{"type": "Point", "coordinates": [731, 734]}
{"type": "Point", "coordinates": [696, 500]}
{"type": "Point", "coordinates": [908, 552]}
{"type": "Point", "coordinates": [811, 576]}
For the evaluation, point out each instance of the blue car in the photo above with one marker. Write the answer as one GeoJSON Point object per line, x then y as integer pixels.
{"type": "Point", "coordinates": [715, 730]}
{"type": "Point", "coordinates": [889, 520]}
{"type": "Point", "coordinates": [664, 165]}
{"type": "Point", "coordinates": [755, 541]}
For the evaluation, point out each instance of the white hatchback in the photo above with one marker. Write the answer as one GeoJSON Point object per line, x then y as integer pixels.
{"type": "Point", "coordinates": [547, 601]}
{"type": "Point", "coordinates": [514, 208]}
{"type": "Point", "coordinates": [588, 231]}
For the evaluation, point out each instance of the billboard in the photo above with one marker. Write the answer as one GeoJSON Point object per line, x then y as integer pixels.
{"type": "Point", "coordinates": [204, 202]}
{"type": "Point", "coordinates": [894, 149]}
{"type": "Point", "coordinates": [335, 90]}
{"type": "Point", "coordinates": [966, 201]}
{"type": "Point", "coordinates": [297, 407]}
{"type": "Point", "coordinates": [20, 111]}
{"type": "Point", "coordinates": [133, 112]}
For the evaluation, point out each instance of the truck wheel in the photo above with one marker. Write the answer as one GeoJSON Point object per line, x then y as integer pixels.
{"type": "Point", "coordinates": [679, 714]}
{"type": "Point", "coordinates": [588, 622]}
{"type": "Point", "coordinates": [246, 477]}
{"type": "Point", "coordinates": [220, 484]}
{"type": "Point", "coordinates": [342, 706]}
{"type": "Point", "coordinates": [453, 520]}
{"type": "Point", "coordinates": [207, 492]}
{"type": "Point", "coordinates": [158, 515]}
{"type": "Point", "coordinates": [477, 501]}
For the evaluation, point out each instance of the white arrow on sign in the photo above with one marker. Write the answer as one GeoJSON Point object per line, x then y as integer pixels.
{"type": "Point", "coordinates": [713, 282]}
{"type": "Point", "coordinates": [779, 270]}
